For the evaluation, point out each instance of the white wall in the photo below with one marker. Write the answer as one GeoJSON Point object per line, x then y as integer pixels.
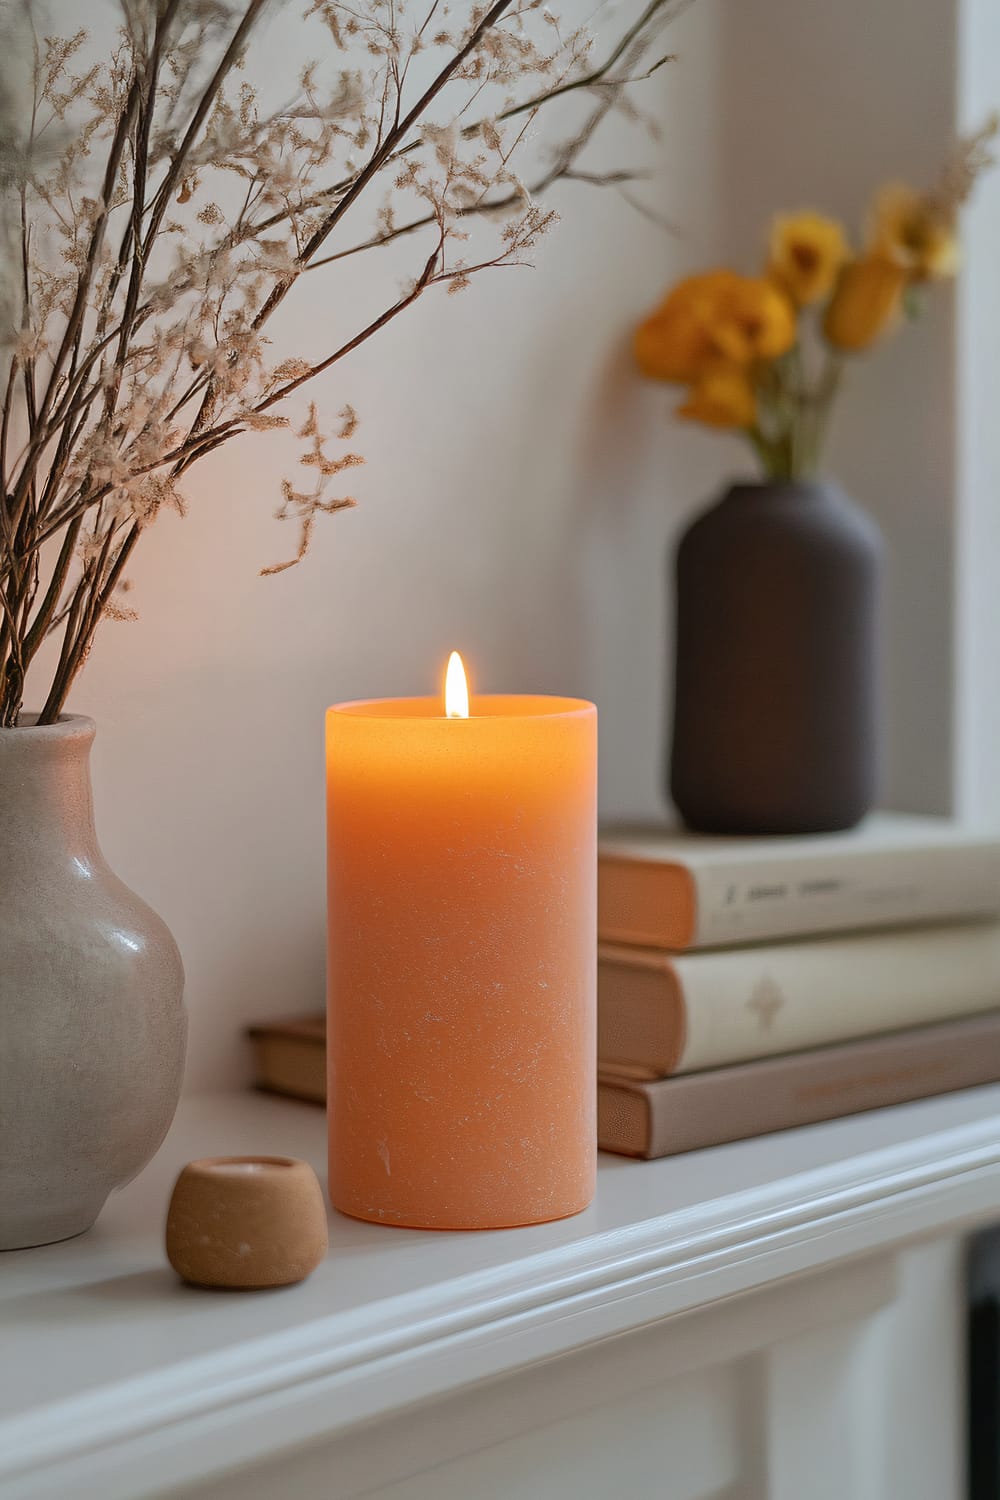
{"type": "Point", "coordinates": [816, 105]}
{"type": "Point", "coordinates": [521, 489]}
{"type": "Point", "coordinates": [823, 104]}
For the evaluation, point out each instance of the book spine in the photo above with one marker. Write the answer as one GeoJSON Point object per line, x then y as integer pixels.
{"type": "Point", "coordinates": [790, 897]}
{"type": "Point", "coordinates": [729, 1104]}
{"type": "Point", "coordinates": [758, 1002]}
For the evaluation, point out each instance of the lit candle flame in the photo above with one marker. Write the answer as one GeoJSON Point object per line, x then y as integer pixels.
{"type": "Point", "coordinates": [456, 689]}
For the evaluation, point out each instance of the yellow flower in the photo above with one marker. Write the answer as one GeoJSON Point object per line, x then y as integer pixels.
{"type": "Point", "coordinates": [914, 233]}
{"type": "Point", "coordinates": [674, 343]}
{"type": "Point", "coordinates": [717, 315]}
{"type": "Point", "coordinates": [807, 251]}
{"type": "Point", "coordinates": [754, 321]}
{"type": "Point", "coordinates": [866, 304]}
{"type": "Point", "coordinates": [722, 396]}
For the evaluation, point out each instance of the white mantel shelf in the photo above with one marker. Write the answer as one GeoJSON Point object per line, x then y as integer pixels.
{"type": "Point", "coordinates": [116, 1380]}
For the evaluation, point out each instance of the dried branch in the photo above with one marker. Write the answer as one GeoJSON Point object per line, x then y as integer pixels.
{"type": "Point", "coordinates": [158, 219]}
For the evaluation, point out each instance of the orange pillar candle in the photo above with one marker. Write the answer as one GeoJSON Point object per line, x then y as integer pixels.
{"type": "Point", "coordinates": [462, 958]}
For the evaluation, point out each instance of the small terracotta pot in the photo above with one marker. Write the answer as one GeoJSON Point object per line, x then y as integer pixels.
{"type": "Point", "coordinates": [246, 1221]}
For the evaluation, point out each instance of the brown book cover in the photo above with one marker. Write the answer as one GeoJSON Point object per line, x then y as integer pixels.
{"type": "Point", "coordinates": [290, 1057]}
{"type": "Point", "coordinates": [641, 1025]}
{"type": "Point", "coordinates": [671, 1115]}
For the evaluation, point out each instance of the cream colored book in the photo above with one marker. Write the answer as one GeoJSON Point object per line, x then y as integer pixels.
{"type": "Point", "coordinates": [664, 1013]}
{"type": "Point", "coordinates": [678, 890]}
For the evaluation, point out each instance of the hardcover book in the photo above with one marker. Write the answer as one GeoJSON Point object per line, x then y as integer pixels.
{"type": "Point", "coordinates": [660, 1013]}
{"type": "Point", "coordinates": [678, 890]}
{"type": "Point", "coordinates": [290, 1057]}
{"type": "Point", "coordinates": [671, 1115]}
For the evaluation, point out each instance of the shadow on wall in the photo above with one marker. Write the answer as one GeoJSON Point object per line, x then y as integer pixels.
{"type": "Point", "coordinates": [819, 121]}
{"type": "Point", "coordinates": [641, 478]}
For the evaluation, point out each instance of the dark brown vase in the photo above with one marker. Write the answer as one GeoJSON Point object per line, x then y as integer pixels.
{"type": "Point", "coordinates": [776, 725]}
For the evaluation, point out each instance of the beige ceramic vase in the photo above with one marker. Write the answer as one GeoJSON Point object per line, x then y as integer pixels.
{"type": "Point", "coordinates": [92, 1026]}
{"type": "Point", "coordinates": [246, 1222]}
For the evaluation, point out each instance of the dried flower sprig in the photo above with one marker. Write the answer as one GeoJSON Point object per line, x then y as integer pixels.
{"type": "Point", "coordinates": [158, 215]}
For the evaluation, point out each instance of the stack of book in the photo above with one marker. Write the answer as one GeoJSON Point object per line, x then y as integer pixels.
{"type": "Point", "coordinates": [748, 985]}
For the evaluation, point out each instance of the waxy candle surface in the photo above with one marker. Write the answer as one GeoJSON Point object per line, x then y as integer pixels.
{"type": "Point", "coordinates": [462, 956]}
